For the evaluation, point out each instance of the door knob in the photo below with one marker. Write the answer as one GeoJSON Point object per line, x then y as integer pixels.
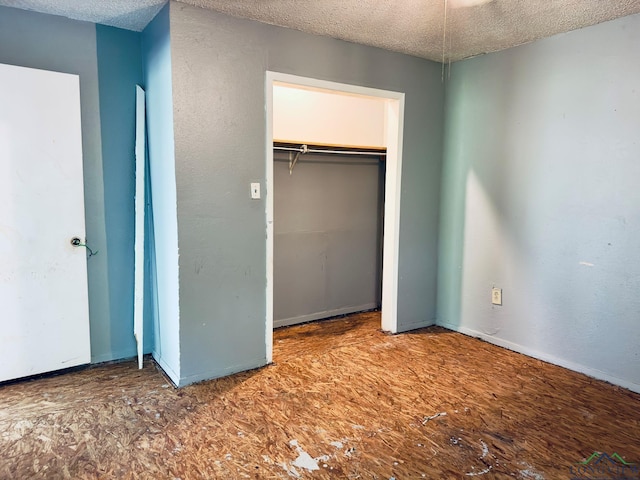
{"type": "Point", "coordinates": [76, 242]}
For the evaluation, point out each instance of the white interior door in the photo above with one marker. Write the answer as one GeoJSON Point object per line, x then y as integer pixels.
{"type": "Point", "coordinates": [44, 313]}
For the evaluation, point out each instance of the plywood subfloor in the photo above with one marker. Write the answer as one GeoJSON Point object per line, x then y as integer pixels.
{"type": "Point", "coordinates": [341, 397]}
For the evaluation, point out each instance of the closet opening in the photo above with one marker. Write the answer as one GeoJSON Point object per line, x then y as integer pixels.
{"type": "Point", "coordinates": [332, 200]}
{"type": "Point", "coordinates": [328, 219]}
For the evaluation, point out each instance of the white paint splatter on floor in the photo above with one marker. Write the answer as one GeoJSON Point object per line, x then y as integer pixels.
{"type": "Point", "coordinates": [485, 453]}
{"type": "Point", "coordinates": [485, 449]}
{"type": "Point", "coordinates": [529, 472]}
{"type": "Point", "coordinates": [304, 460]}
{"type": "Point", "coordinates": [482, 472]}
{"type": "Point", "coordinates": [290, 470]}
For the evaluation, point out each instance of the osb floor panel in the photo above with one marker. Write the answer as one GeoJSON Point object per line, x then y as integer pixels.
{"type": "Point", "coordinates": [342, 400]}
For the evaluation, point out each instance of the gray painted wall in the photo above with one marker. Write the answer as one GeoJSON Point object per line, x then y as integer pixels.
{"type": "Point", "coordinates": [219, 66]}
{"type": "Point", "coordinates": [55, 43]}
{"type": "Point", "coordinates": [156, 51]}
{"type": "Point", "coordinates": [327, 234]}
{"type": "Point", "coordinates": [541, 198]}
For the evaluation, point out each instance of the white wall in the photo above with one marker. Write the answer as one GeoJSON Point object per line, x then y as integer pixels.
{"type": "Point", "coordinates": [320, 116]}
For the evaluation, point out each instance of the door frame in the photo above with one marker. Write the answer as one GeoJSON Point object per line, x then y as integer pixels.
{"type": "Point", "coordinates": [394, 125]}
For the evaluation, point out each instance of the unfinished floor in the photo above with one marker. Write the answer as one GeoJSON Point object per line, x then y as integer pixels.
{"type": "Point", "coordinates": [342, 400]}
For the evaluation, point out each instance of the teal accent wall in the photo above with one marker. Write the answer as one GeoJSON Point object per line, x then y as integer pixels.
{"type": "Point", "coordinates": [119, 71]}
{"type": "Point", "coordinates": [107, 61]}
{"type": "Point", "coordinates": [219, 66]}
{"type": "Point", "coordinates": [54, 43]}
{"type": "Point", "coordinates": [541, 198]}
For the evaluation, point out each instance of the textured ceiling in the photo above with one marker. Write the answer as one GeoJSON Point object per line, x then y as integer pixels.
{"type": "Point", "coordinates": [415, 27]}
{"type": "Point", "coordinates": [127, 14]}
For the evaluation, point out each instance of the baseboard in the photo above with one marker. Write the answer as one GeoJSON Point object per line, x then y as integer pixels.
{"type": "Point", "coordinates": [119, 355]}
{"type": "Point", "coordinates": [115, 356]}
{"type": "Point", "coordinates": [415, 325]}
{"type": "Point", "coordinates": [173, 376]}
{"type": "Point", "coordinates": [576, 367]}
{"type": "Point", "coordinates": [223, 372]}
{"type": "Point", "coordinates": [285, 322]}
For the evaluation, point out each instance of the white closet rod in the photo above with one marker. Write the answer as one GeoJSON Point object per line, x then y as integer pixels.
{"type": "Point", "coordinates": [341, 152]}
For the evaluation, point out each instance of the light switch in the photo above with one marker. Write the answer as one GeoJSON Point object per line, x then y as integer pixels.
{"type": "Point", "coordinates": [255, 191]}
{"type": "Point", "coordinates": [496, 296]}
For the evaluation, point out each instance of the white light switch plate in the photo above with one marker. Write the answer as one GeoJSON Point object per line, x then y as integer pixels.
{"type": "Point", "coordinates": [496, 296]}
{"type": "Point", "coordinates": [255, 191]}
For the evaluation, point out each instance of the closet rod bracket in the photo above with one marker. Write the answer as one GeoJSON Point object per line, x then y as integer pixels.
{"type": "Point", "coordinates": [292, 162]}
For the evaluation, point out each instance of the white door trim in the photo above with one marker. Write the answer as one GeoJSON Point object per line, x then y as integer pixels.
{"type": "Point", "coordinates": [394, 133]}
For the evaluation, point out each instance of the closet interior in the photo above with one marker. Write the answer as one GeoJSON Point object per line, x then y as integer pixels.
{"type": "Point", "coordinates": [328, 230]}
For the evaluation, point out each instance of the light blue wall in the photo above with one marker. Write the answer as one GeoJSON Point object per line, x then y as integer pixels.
{"type": "Point", "coordinates": [541, 197]}
{"type": "Point", "coordinates": [219, 64]}
{"type": "Point", "coordinates": [156, 50]}
{"type": "Point", "coordinates": [119, 70]}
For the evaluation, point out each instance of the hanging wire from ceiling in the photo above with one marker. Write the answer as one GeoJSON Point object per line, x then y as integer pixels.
{"type": "Point", "coordinates": [444, 38]}
{"type": "Point", "coordinates": [449, 57]}
{"type": "Point", "coordinates": [447, 36]}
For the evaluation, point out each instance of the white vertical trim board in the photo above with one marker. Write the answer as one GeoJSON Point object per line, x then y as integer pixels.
{"type": "Point", "coordinates": [394, 124]}
{"type": "Point", "coordinates": [269, 214]}
{"type": "Point", "coordinates": [140, 151]}
{"type": "Point", "coordinates": [394, 131]}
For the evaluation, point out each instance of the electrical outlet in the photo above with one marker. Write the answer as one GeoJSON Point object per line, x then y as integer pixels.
{"type": "Point", "coordinates": [496, 296]}
{"type": "Point", "coordinates": [255, 191]}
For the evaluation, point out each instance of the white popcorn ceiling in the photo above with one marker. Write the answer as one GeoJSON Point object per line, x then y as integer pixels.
{"type": "Point", "coordinates": [415, 27]}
